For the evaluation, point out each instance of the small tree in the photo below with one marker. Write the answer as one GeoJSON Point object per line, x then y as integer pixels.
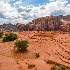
{"type": "Point", "coordinates": [1, 34]}
{"type": "Point", "coordinates": [21, 45]}
{"type": "Point", "coordinates": [10, 37]}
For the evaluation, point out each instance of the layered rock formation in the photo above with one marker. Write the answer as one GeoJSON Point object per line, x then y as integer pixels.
{"type": "Point", "coordinates": [20, 26]}
{"type": "Point", "coordinates": [48, 23]}
{"type": "Point", "coordinates": [65, 27]}
{"type": "Point", "coordinates": [9, 27]}
{"type": "Point", "coordinates": [44, 23]}
{"type": "Point", "coordinates": [67, 18]}
{"type": "Point", "coordinates": [66, 23]}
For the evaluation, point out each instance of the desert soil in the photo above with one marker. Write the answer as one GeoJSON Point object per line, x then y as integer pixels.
{"type": "Point", "coordinates": [54, 46]}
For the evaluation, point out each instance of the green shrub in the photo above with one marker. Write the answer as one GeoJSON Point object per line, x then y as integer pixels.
{"type": "Point", "coordinates": [49, 62]}
{"type": "Point", "coordinates": [37, 55]}
{"type": "Point", "coordinates": [59, 67]}
{"type": "Point", "coordinates": [30, 66]}
{"type": "Point", "coordinates": [63, 67]}
{"type": "Point", "coordinates": [10, 37]}
{"type": "Point", "coordinates": [1, 34]}
{"type": "Point", "coordinates": [21, 45]}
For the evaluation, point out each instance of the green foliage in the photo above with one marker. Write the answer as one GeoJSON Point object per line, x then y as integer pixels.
{"type": "Point", "coordinates": [49, 62]}
{"type": "Point", "coordinates": [59, 67]}
{"type": "Point", "coordinates": [21, 45]}
{"type": "Point", "coordinates": [37, 55]}
{"type": "Point", "coordinates": [10, 37]}
{"type": "Point", "coordinates": [63, 67]}
{"type": "Point", "coordinates": [1, 34]}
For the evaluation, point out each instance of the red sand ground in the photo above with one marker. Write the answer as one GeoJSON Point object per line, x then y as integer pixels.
{"type": "Point", "coordinates": [52, 45]}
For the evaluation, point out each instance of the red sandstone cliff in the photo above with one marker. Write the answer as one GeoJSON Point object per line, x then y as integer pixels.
{"type": "Point", "coordinates": [48, 23]}
{"type": "Point", "coordinates": [45, 23]}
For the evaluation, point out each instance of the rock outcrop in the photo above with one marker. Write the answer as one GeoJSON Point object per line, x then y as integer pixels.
{"type": "Point", "coordinates": [9, 27]}
{"type": "Point", "coordinates": [65, 27]}
{"type": "Point", "coordinates": [45, 23]}
{"type": "Point", "coordinates": [20, 26]}
{"type": "Point", "coordinates": [66, 18]}
{"type": "Point", "coordinates": [48, 23]}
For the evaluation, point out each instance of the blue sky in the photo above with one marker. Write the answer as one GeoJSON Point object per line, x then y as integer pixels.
{"type": "Point", "coordinates": [33, 2]}
{"type": "Point", "coordinates": [36, 2]}
{"type": "Point", "coordinates": [24, 11]}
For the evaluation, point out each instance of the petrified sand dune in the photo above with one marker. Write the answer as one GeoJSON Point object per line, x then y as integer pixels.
{"type": "Point", "coordinates": [51, 45]}
{"type": "Point", "coordinates": [61, 52]}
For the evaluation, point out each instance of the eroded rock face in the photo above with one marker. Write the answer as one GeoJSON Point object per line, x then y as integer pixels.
{"type": "Point", "coordinates": [9, 27]}
{"type": "Point", "coordinates": [65, 27]}
{"type": "Point", "coordinates": [48, 23]}
{"type": "Point", "coordinates": [45, 23]}
{"type": "Point", "coordinates": [67, 18]}
{"type": "Point", "coordinates": [20, 26]}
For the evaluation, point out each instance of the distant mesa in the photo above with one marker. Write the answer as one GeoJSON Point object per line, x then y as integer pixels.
{"type": "Point", "coordinates": [48, 23]}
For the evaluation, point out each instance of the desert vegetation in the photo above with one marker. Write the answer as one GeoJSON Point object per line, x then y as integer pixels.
{"type": "Point", "coordinates": [41, 54]}
{"type": "Point", "coordinates": [59, 67]}
{"type": "Point", "coordinates": [1, 34]}
{"type": "Point", "coordinates": [21, 45]}
{"type": "Point", "coordinates": [10, 37]}
{"type": "Point", "coordinates": [30, 66]}
{"type": "Point", "coordinates": [37, 55]}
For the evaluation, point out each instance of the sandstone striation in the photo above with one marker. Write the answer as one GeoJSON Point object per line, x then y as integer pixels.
{"type": "Point", "coordinates": [48, 23]}
{"type": "Point", "coordinates": [44, 24]}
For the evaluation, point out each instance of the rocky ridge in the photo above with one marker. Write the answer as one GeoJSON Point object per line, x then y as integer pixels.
{"type": "Point", "coordinates": [48, 23]}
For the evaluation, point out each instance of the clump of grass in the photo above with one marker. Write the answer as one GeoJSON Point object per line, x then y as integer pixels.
{"type": "Point", "coordinates": [37, 55]}
{"type": "Point", "coordinates": [59, 67]}
{"type": "Point", "coordinates": [30, 66]}
{"type": "Point", "coordinates": [49, 62]}
{"type": "Point", "coordinates": [17, 61]}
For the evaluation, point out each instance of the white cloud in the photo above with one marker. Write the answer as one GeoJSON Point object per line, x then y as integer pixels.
{"type": "Point", "coordinates": [7, 10]}
{"type": "Point", "coordinates": [25, 14]}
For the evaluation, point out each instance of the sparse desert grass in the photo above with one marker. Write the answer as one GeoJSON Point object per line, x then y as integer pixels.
{"type": "Point", "coordinates": [59, 67]}
{"type": "Point", "coordinates": [21, 59]}
{"type": "Point", "coordinates": [20, 67]}
{"type": "Point", "coordinates": [50, 62]}
{"type": "Point", "coordinates": [37, 55]}
{"type": "Point", "coordinates": [30, 66]}
{"type": "Point", "coordinates": [17, 61]}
